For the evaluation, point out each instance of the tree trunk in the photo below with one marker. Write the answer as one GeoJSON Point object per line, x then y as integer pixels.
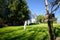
{"type": "Point", "coordinates": [50, 23]}
{"type": "Point", "coordinates": [51, 32]}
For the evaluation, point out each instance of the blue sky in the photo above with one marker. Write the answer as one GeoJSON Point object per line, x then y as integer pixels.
{"type": "Point", "coordinates": [38, 7]}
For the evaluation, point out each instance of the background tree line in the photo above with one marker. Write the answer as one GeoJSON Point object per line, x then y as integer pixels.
{"type": "Point", "coordinates": [42, 19]}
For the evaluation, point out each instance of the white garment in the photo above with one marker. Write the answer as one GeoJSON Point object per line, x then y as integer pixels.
{"type": "Point", "coordinates": [25, 24]}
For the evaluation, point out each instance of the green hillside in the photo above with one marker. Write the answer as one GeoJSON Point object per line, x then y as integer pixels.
{"type": "Point", "coordinates": [32, 32]}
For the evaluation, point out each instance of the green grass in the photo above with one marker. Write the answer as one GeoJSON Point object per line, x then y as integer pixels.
{"type": "Point", "coordinates": [32, 32]}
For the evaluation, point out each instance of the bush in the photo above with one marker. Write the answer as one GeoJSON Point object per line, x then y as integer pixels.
{"type": "Point", "coordinates": [33, 23]}
{"type": "Point", "coordinates": [1, 25]}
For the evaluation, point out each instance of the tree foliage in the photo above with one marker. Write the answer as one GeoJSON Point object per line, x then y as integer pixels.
{"type": "Point", "coordinates": [40, 18]}
{"type": "Point", "coordinates": [14, 12]}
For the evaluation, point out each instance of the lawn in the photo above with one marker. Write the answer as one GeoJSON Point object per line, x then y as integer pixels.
{"type": "Point", "coordinates": [32, 32]}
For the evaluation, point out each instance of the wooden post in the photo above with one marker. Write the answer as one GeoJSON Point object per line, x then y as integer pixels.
{"type": "Point", "coordinates": [50, 22]}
